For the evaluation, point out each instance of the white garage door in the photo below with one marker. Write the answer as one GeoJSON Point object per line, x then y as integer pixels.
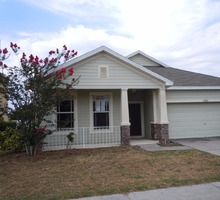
{"type": "Point", "coordinates": [193, 120]}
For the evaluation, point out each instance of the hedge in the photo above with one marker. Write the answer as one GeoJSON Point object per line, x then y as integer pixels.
{"type": "Point", "coordinates": [4, 125]}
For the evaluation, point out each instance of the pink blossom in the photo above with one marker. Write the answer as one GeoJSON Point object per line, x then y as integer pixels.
{"type": "Point", "coordinates": [46, 60]}
{"type": "Point", "coordinates": [43, 129]}
{"type": "Point", "coordinates": [5, 66]}
{"type": "Point", "coordinates": [23, 55]}
{"type": "Point", "coordinates": [64, 47]}
{"type": "Point", "coordinates": [31, 58]}
{"type": "Point", "coordinates": [60, 76]}
{"type": "Point", "coordinates": [5, 51]}
{"type": "Point", "coordinates": [63, 70]}
{"type": "Point", "coordinates": [71, 71]}
{"type": "Point", "coordinates": [51, 52]}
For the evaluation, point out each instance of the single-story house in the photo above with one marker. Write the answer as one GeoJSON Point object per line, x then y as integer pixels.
{"type": "Point", "coordinates": [118, 98]}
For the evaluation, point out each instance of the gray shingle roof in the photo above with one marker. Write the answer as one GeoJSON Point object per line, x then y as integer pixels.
{"type": "Point", "coordinates": [185, 78]}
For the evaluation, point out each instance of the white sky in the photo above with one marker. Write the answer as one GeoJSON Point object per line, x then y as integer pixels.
{"type": "Point", "coordinates": [183, 34]}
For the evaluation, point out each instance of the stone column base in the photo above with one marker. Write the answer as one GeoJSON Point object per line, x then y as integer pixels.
{"type": "Point", "coordinates": [125, 135]}
{"type": "Point", "coordinates": [160, 132]}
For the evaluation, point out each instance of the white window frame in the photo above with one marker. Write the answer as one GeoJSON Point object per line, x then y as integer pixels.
{"type": "Point", "coordinates": [75, 113]}
{"type": "Point", "coordinates": [100, 74]}
{"type": "Point", "coordinates": [92, 94]}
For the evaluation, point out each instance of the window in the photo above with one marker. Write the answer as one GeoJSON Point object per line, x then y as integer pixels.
{"type": "Point", "coordinates": [65, 114]}
{"type": "Point", "coordinates": [101, 112]}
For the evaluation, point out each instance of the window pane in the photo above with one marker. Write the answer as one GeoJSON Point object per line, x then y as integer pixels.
{"type": "Point", "coordinates": [101, 103]}
{"type": "Point", "coordinates": [65, 120]}
{"type": "Point", "coordinates": [101, 119]}
{"type": "Point", "coordinates": [66, 106]}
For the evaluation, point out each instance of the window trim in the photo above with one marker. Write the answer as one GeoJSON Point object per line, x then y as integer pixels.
{"type": "Point", "coordinates": [100, 75]}
{"type": "Point", "coordinates": [92, 94]}
{"type": "Point", "coordinates": [75, 113]}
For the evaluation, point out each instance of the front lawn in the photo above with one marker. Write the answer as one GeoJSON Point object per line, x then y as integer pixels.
{"type": "Point", "coordinates": [88, 172]}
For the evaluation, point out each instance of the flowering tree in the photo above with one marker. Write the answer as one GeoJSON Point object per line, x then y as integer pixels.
{"type": "Point", "coordinates": [34, 88]}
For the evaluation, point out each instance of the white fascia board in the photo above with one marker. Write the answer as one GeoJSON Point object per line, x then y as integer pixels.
{"type": "Point", "coordinates": [194, 88]}
{"type": "Point", "coordinates": [148, 57]}
{"type": "Point", "coordinates": [119, 56]}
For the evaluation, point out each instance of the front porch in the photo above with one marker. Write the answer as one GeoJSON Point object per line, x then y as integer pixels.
{"type": "Point", "coordinates": [109, 118]}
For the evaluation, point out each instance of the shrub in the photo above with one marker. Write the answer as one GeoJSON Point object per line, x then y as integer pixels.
{"type": "Point", "coordinates": [4, 125]}
{"type": "Point", "coordinates": [11, 140]}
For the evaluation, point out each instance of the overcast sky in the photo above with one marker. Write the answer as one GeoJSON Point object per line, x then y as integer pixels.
{"type": "Point", "coordinates": [184, 34]}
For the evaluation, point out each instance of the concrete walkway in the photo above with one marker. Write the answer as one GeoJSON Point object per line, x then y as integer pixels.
{"type": "Point", "coordinates": [210, 191]}
{"type": "Point", "coordinates": [210, 145]}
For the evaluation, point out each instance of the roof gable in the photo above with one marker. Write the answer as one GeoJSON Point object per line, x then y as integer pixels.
{"type": "Point", "coordinates": [145, 60]}
{"type": "Point", "coordinates": [121, 58]}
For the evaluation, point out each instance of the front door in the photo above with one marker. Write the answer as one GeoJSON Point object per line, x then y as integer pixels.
{"type": "Point", "coordinates": [135, 119]}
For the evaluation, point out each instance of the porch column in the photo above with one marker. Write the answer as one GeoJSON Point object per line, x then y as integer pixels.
{"type": "Point", "coordinates": [125, 124]}
{"type": "Point", "coordinates": [159, 129]}
{"type": "Point", "coordinates": [163, 106]}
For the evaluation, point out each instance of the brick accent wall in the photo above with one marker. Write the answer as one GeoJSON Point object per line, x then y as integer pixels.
{"type": "Point", "coordinates": [160, 132]}
{"type": "Point", "coordinates": [125, 135]}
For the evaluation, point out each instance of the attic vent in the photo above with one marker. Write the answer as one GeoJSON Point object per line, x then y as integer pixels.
{"type": "Point", "coordinates": [103, 71]}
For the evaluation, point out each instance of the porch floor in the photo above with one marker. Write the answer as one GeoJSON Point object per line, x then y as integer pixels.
{"type": "Point", "coordinates": [134, 142]}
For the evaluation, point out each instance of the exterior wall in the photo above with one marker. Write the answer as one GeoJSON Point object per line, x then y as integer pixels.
{"type": "Point", "coordinates": [83, 101]}
{"type": "Point", "coordinates": [120, 75]}
{"type": "Point", "coordinates": [143, 60]}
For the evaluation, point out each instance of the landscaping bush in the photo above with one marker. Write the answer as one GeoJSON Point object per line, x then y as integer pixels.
{"type": "Point", "coordinates": [11, 140]}
{"type": "Point", "coordinates": [4, 125]}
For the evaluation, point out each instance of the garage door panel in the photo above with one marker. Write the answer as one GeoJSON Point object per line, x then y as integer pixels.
{"type": "Point", "coordinates": [191, 120]}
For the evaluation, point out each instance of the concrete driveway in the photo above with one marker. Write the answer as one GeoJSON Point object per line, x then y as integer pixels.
{"type": "Point", "coordinates": [210, 145]}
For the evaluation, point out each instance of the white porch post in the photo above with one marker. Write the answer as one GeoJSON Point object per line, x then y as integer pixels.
{"type": "Point", "coordinates": [124, 108]}
{"type": "Point", "coordinates": [125, 124]}
{"type": "Point", "coordinates": [163, 107]}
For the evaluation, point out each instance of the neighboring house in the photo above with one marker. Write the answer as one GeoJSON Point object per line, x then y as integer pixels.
{"type": "Point", "coordinates": [137, 96]}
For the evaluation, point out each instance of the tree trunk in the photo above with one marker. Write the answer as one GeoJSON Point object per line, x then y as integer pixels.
{"type": "Point", "coordinates": [31, 149]}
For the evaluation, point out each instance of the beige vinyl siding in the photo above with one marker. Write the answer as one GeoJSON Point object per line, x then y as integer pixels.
{"type": "Point", "coordinates": [141, 60]}
{"type": "Point", "coordinates": [116, 107]}
{"type": "Point", "coordinates": [193, 96]}
{"type": "Point", "coordinates": [83, 108]}
{"type": "Point", "coordinates": [119, 75]}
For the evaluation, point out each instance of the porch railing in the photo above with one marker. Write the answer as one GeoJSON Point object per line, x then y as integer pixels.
{"type": "Point", "coordinates": [84, 137]}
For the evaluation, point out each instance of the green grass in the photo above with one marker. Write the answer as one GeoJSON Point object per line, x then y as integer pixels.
{"type": "Point", "coordinates": [88, 172]}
